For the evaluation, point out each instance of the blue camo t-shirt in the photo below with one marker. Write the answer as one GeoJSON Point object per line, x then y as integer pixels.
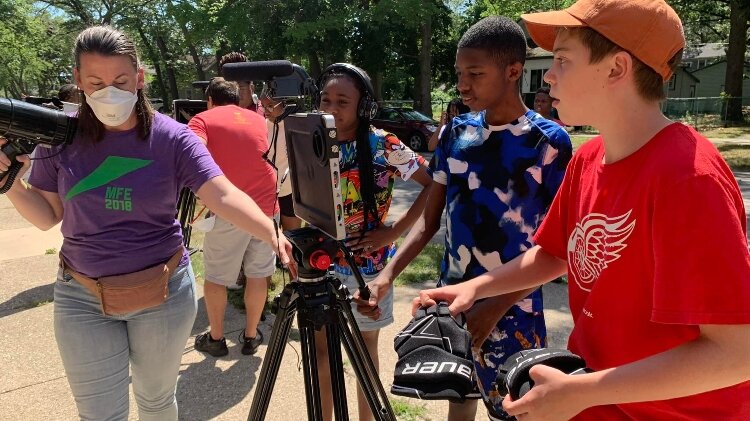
{"type": "Point", "coordinates": [500, 182]}
{"type": "Point", "coordinates": [119, 195]}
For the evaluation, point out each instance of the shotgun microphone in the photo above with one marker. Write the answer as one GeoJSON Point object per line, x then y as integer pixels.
{"type": "Point", "coordinates": [257, 70]}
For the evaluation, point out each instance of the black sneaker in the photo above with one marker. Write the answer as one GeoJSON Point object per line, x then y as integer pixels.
{"type": "Point", "coordinates": [216, 348]}
{"type": "Point", "coordinates": [250, 345]}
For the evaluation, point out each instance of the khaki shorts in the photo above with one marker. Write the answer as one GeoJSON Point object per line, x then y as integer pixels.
{"type": "Point", "coordinates": [226, 248]}
{"type": "Point", "coordinates": [365, 323]}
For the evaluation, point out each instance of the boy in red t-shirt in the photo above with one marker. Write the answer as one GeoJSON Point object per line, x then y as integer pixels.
{"type": "Point", "coordinates": [650, 225]}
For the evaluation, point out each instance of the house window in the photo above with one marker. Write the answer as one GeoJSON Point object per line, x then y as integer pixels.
{"type": "Point", "coordinates": [537, 79]}
{"type": "Point", "coordinates": [673, 82]}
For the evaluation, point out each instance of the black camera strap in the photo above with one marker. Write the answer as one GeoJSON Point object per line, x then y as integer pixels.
{"type": "Point", "coordinates": [12, 172]}
{"type": "Point", "coordinates": [273, 145]}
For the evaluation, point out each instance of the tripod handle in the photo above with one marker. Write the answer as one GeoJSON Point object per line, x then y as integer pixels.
{"type": "Point", "coordinates": [364, 290]}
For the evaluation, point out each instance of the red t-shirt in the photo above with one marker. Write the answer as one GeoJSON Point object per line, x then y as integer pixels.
{"type": "Point", "coordinates": [237, 139]}
{"type": "Point", "coordinates": [656, 245]}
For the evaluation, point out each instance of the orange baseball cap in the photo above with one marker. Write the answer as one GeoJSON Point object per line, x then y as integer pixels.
{"type": "Point", "coordinates": [648, 29]}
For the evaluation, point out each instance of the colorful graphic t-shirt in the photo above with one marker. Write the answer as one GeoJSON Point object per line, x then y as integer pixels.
{"type": "Point", "coordinates": [656, 245]}
{"type": "Point", "coordinates": [390, 158]}
{"type": "Point", "coordinates": [500, 181]}
{"type": "Point", "coordinates": [119, 195]}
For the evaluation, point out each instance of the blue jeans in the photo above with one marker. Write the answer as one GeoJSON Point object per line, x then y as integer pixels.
{"type": "Point", "coordinates": [97, 350]}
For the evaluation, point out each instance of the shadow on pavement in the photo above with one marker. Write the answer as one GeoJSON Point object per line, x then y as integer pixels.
{"type": "Point", "coordinates": [206, 389]}
{"type": "Point", "coordinates": [27, 299]}
{"type": "Point", "coordinates": [215, 390]}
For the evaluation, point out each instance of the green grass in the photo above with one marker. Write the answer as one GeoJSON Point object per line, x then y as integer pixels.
{"type": "Point", "coordinates": [426, 266]}
{"type": "Point", "coordinates": [50, 251]}
{"type": "Point", "coordinates": [728, 132]}
{"type": "Point", "coordinates": [406, 411]}
{"type": "Point", "coordinates": [737, 156]}
{"type": "Point", "coordinates": [578, 140]}
{"type": "Point", "coordinates": [196, 242]}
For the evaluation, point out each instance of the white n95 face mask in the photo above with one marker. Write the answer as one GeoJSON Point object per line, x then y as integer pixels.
{"type": "Point", "coordinates": [112, 106]}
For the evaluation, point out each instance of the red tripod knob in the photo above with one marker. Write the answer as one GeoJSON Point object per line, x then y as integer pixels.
{"type": "Point", "coordinates": [320, 260]}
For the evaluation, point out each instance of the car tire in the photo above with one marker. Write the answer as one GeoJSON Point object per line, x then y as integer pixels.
{"type": "Point", "coordinates": [416, 142]}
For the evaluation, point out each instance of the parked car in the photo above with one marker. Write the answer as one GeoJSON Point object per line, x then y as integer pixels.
{"type": "Point", "coordinates": [411, 126]}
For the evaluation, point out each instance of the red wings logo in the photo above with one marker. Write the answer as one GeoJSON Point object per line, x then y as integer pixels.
{"type": "Point", "coordinates": [596, 242]}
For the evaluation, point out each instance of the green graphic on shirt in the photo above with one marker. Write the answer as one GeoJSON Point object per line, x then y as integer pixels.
{"type": "Point", "coordinates": [118, 198]}
{"type": "Point", "coordinates": [111, 169]}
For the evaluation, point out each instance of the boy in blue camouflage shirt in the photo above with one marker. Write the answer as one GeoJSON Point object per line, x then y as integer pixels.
{"type": "Point", "coordinates": [497, 170]}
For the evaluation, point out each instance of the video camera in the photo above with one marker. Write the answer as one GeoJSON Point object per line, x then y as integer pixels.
{"type": "Point", "coordinates": [310, 142]}
{"type": "Point", "coordinates": [25, 126]}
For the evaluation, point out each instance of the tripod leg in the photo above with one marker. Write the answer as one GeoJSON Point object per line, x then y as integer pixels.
{"type": "Point", "coordinates": [364, 368]}
{"type": "Point", "coordinates": [274, 352]}
{"type": "Point", "coordinates": [310, 369]}
{"type": "Point", "coordinates": [338, 385]}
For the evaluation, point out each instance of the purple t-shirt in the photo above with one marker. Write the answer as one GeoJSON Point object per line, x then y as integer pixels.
{"type": "Point", "coordinates": [120, 195]}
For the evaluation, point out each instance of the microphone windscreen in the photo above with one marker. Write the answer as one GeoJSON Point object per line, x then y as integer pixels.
{"type": "Point", "coordinates": [257, 70]}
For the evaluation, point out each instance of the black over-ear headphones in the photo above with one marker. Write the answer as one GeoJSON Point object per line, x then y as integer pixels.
{"type": "Point", "coordinates": [367, 106]}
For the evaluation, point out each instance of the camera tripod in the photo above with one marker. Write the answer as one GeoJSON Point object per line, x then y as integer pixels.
{"type": "Point", "coordinates": [320, 300]}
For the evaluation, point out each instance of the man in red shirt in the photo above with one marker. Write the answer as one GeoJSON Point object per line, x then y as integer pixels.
{"type": "Point", "coordinates": [236, 138]}
{"type": "Point", "coordinates": [649, 223]}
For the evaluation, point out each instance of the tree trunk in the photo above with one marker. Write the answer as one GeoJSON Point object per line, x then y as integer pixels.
{"type": "Point", "coordinates": [377, 85]}
{"type": "Point", "coordinates": [315, 67]}
{"type": "Point", "coordinates": [157, 67]}
{"type": "Point", "coordinates": [739, 16]}
{"type": "Point", "coordinates": [199, 72]}
{"type": "Point", "coordinates": [424, 88]}
{"type": "Point", "coordinates": [167, 56]}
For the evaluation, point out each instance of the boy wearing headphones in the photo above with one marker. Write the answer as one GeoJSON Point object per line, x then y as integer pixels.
{"type": "Point", "coordinates": [370, 161]}
{"type": "Point", "coordinates": [649, 224]}
{"type": "Point", "coordinates": [496, 173]}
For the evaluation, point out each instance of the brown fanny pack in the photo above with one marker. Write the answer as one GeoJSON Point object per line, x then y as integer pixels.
{"type": "Point", "coordinates": [122, 294]}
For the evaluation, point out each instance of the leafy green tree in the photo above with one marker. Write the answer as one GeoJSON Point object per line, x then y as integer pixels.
{"type": "Point", "coordinates": [35, 50]}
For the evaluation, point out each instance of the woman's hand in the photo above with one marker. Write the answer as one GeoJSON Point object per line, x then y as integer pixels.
{"type": "Point", "coordinates": [5, 163]}
{"type": "Point", "coordinates": [372, 240]}
{"type": "Point", "coordinates": [284, 251]}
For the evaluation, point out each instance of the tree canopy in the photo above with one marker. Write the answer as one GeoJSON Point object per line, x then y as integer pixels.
{"type": "Point", "coordinates": [407, 46]}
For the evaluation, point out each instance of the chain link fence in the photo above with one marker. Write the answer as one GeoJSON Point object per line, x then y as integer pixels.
{"type": "Point", "coordinates": [704, 113]}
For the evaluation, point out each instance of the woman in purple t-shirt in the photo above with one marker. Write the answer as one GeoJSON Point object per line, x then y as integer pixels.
{"type": "Point", "coordinates": [115, 190]}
